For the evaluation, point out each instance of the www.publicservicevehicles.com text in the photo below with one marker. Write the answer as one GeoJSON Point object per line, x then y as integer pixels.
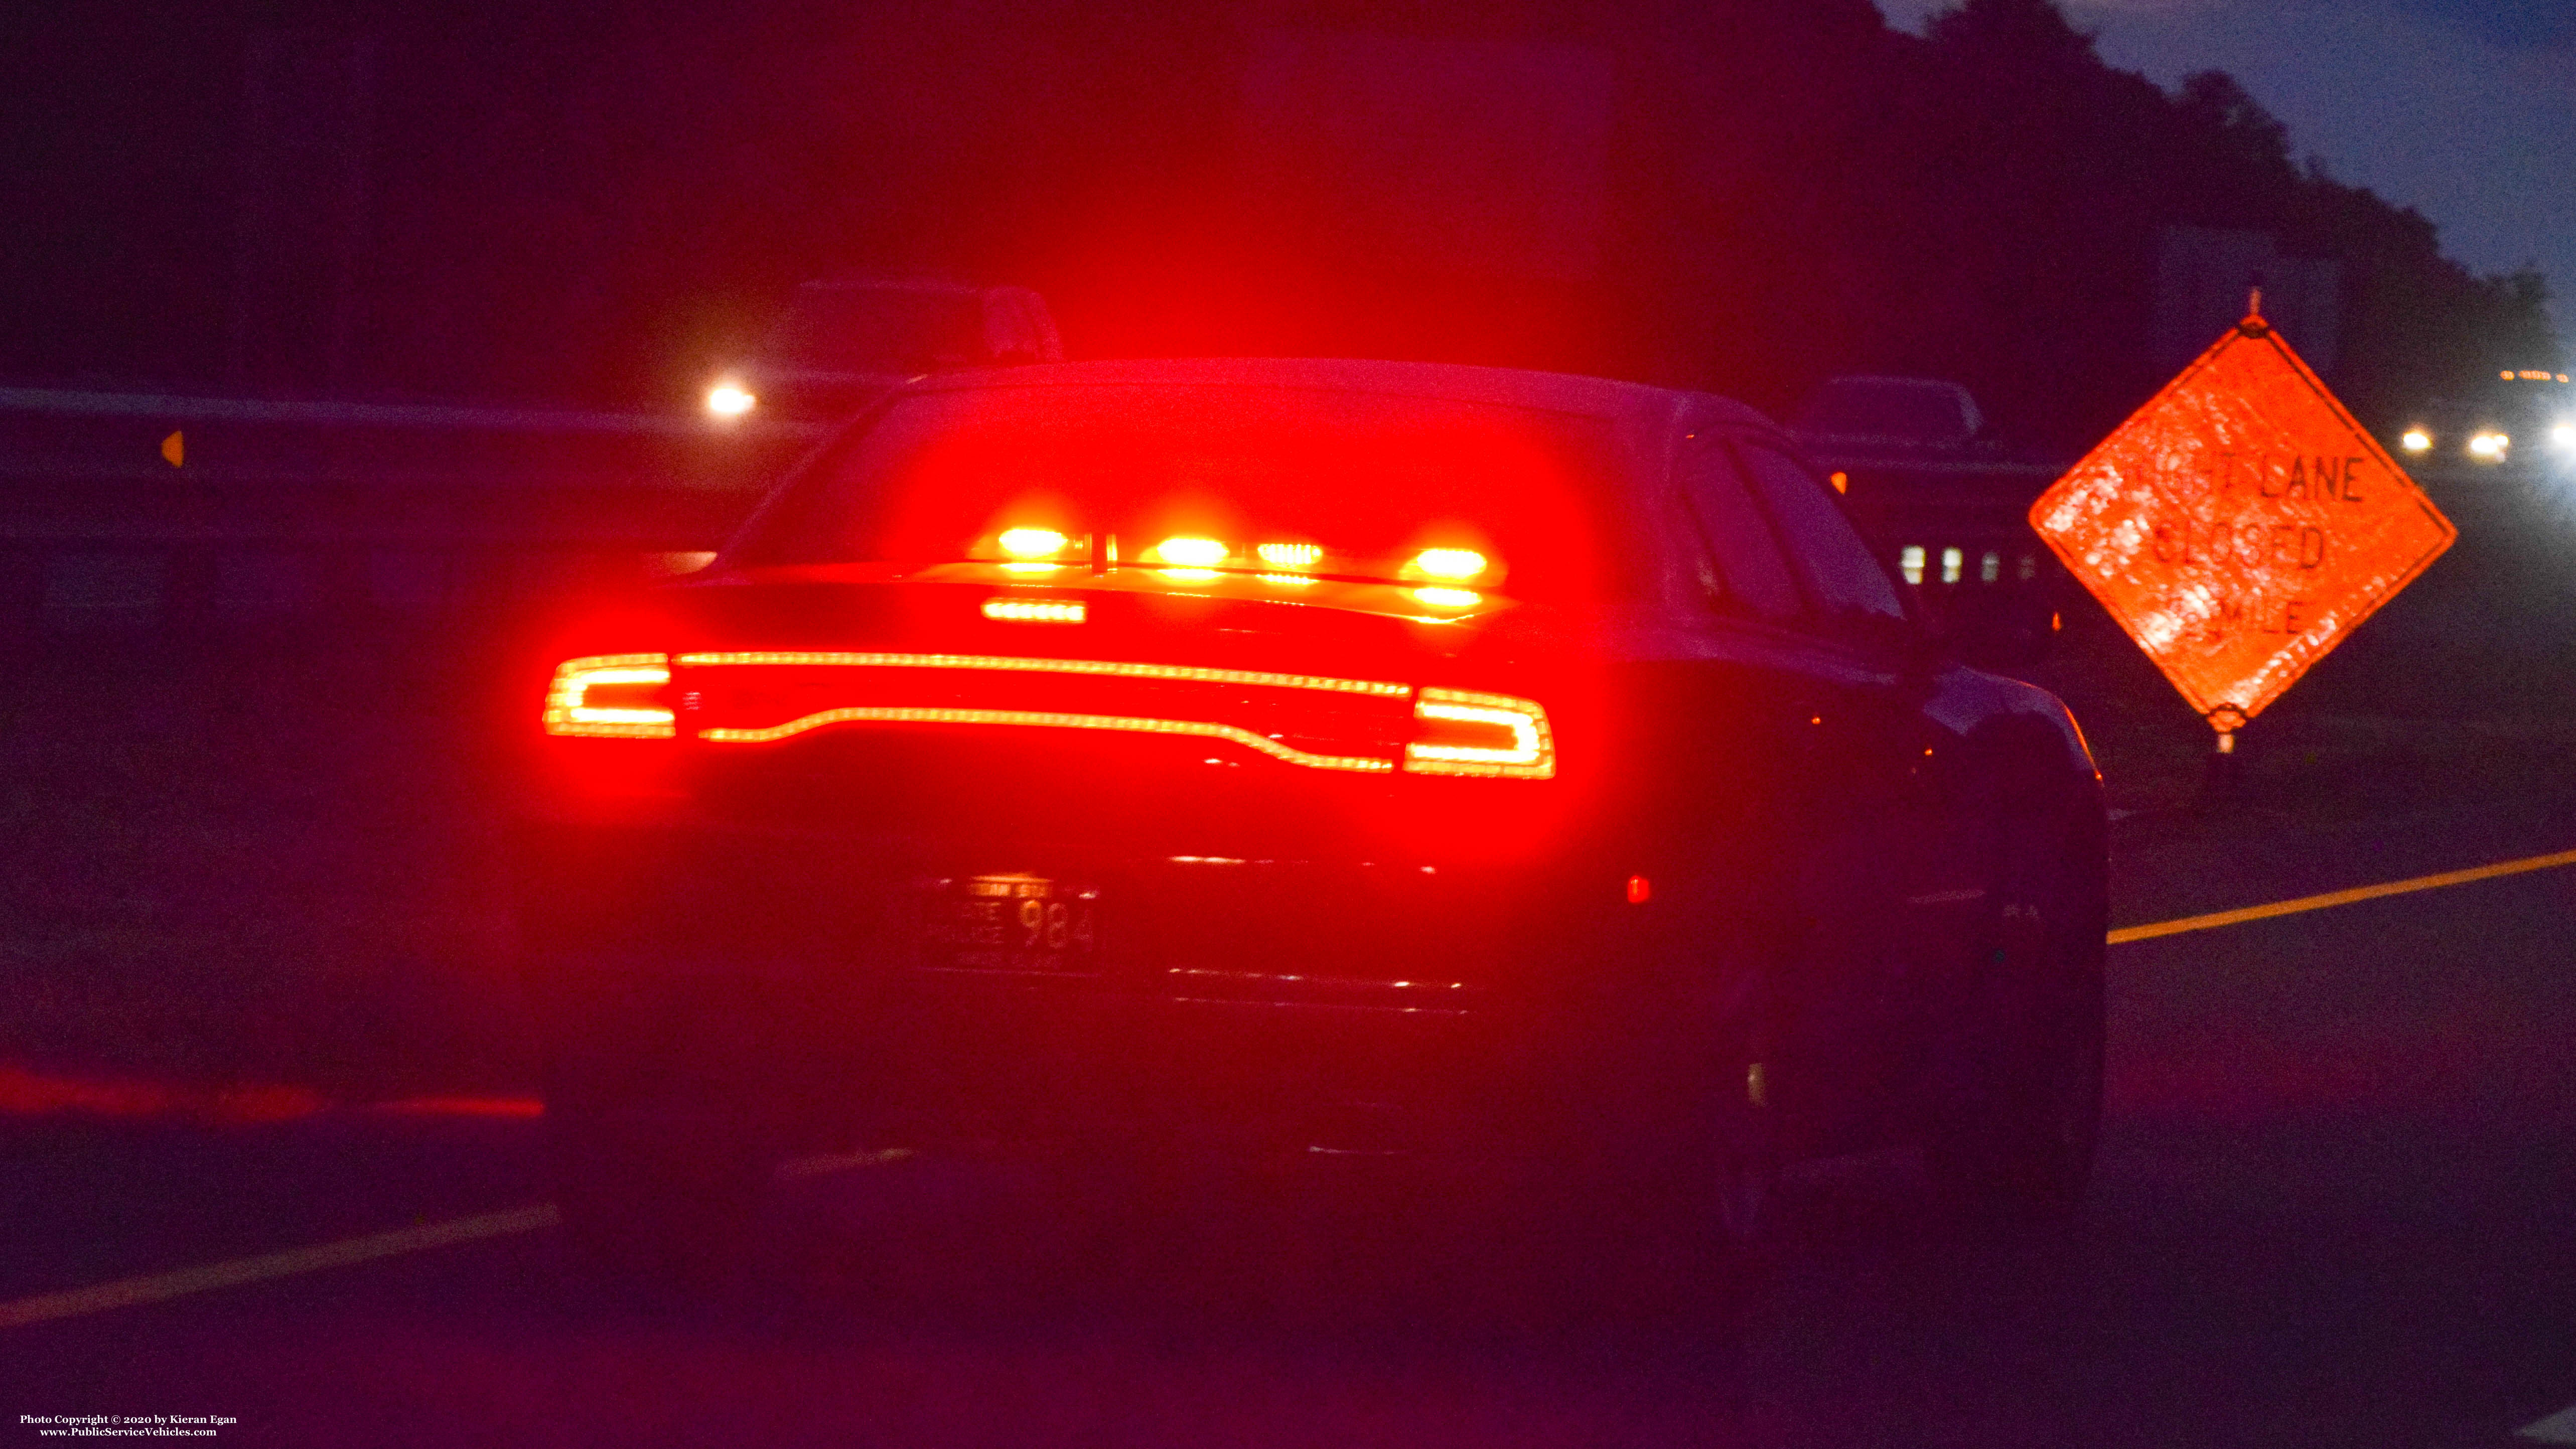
{"type": "Point", "coordinates": [118, 1426]}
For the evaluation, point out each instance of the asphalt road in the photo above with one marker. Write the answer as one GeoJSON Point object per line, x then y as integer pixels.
{"type": "Point", "coordinates": [2336, 1205]}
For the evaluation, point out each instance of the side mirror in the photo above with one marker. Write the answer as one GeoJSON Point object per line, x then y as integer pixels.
{"type": "Point", "coordinates": [2000, 629]}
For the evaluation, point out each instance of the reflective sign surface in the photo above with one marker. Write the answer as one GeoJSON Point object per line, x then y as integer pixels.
{"type": "Point", "coordinates": [2240, 525]}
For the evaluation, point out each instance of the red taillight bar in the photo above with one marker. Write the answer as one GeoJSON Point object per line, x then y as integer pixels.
{"type": "Point", "coordinates": [1463, 732]}
{"type": "Point", "coordinates": [570, 712]}
{"type": "Point", "coordinates": [1015, 662]}
{"type": "Point", "coordinates": [1531, 754]}
{"type": "Point", "coordinates": [1138, 724]}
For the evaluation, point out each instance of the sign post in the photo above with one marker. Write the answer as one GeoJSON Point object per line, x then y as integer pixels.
{"type": "Point", "coordinates": [2240, 525]}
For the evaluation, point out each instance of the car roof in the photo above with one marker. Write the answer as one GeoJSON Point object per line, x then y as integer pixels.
{"type": "Point", "coordinates": [1634, 407]}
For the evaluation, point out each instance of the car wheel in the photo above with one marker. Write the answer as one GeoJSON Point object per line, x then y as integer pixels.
{"type": "Point", "coordinates": [2020, 1143]}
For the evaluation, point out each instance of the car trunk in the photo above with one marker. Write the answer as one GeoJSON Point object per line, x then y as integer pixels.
{"type": "Point", "coordinates": [1017, 904]}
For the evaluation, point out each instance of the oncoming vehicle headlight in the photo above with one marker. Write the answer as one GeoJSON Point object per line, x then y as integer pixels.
{"type": "Point", "coordinates": [2489, 447]}
{"type": "Point", "coordinates": [730, 400]}
{"type": "Point", "coordinates": [611, 694]}
{"type": "Point", "coordinates": [2416, 440]}
{"type": "Point", "coordinates": [1480, 734]}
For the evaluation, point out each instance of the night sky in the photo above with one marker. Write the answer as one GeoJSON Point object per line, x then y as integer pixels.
{"type": "Point", "coordinates": [2462, 109]}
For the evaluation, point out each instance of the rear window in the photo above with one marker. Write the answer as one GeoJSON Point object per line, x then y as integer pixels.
{"type": "Point", "coordinates": [1333, 482]}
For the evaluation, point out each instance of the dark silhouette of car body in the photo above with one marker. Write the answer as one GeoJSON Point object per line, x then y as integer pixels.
{"type": "Point", "coordinates": [1264, 758]}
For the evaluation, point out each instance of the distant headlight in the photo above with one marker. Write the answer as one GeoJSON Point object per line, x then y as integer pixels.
{"type": "Point", "coordinates": [2489, 447]}
{"type": "Point", "coordinates": [2563, 435]}
{"type": "Point", "coordinates": [2416, 440]}
{"type": "Point", "coordinates": [727, 400]}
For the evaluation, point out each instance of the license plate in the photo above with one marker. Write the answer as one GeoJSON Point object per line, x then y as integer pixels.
{"type": "Point", "coordinates": [1010, 923]}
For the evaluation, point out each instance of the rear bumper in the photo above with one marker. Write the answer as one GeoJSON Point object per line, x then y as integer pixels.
{"type": "Point", "coordinates": [1358, 1004]}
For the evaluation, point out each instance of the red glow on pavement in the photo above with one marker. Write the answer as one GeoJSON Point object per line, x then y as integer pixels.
{"type": "Point", "coordinates": [24, 1093]}
{"type": "Point", "coordinates": [28, 1093]}
{"type": "Point", "coordinates": [467, 1106]}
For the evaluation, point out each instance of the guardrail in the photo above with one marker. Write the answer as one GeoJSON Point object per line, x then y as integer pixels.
{"type": "Point", "coordinates": [137, 512]}
{"type": "Point", "coordinates": [125, 512]}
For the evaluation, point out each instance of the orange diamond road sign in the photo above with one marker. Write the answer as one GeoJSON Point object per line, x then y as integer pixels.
{"type": "Point", "coordinates": [2240, 525]}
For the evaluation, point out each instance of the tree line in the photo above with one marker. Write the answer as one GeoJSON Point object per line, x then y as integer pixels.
{"type": "Point", "coordinates": [598, 202]}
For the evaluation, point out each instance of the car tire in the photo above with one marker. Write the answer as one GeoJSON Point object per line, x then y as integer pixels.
{"type": "Point", "coordinates": [2019, 1144]}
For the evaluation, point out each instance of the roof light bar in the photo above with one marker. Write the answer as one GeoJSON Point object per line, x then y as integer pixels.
{"type": "Point", "coordinates": [1032, 543]}
{"type": "Point", "coordinates": [1450, 563]}
{"type": "Point", "coordinates": [1192, 552]}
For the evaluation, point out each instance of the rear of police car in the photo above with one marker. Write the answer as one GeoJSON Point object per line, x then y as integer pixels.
{"type": "Point", "coordinates": [1215, 751]}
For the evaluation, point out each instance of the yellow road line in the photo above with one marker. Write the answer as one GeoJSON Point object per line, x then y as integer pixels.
{"type": "Point", "coordinates": [2216, 919]}
{"type": "Point", "coordinates": [155, 1287]}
